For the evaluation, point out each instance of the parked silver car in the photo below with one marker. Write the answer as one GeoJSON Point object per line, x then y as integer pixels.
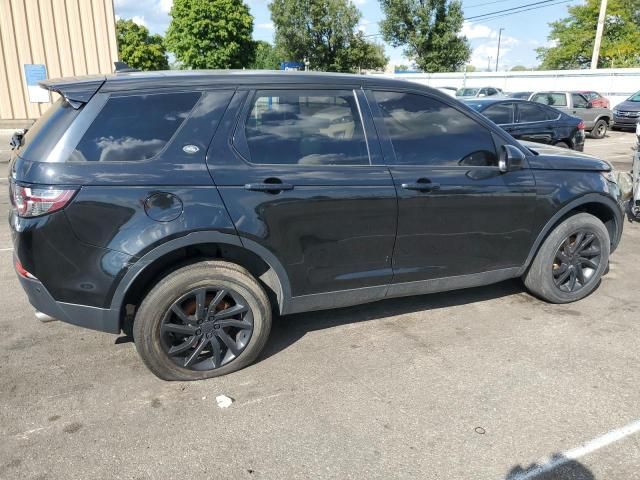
{"type": "Point", "coordinates": [596, 119]}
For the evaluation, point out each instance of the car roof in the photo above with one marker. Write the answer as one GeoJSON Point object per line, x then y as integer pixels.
{"type": "Point", "coordinates": [490, 101]}
{"type": "Point", "coordinates": [81, 89]}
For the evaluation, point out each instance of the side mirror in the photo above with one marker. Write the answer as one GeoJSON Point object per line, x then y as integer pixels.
{"type": "Point", "coordinates": [589, 104]}
{"type": "Point", "coordinates": [511, 158]}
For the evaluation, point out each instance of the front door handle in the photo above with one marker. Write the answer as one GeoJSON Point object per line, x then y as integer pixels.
{"type": "Point", "coordinates": [268, 187]}
{"type": "Point", "coordinates": [422, 185]}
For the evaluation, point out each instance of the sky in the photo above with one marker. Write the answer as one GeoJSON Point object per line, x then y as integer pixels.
{"type": "Point", "coordinates": [522, 34]}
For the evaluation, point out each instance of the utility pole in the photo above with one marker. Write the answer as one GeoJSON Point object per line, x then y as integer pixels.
{"type": "Point", "coordinates": [599, 30]}
{"type": "Point", "coordinates": [499, 39]}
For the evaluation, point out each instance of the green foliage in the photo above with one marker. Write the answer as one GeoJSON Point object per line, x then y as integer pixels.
{"type": "Point", "coordinates": [138, 49]}
{"type": "Point", "coordinates": [267, 57]}
{"type": "Point", "coordinates": [211, 33]}
{"type": "Point", "coordinates": [429, 30]}
{"type": "Point", "coordinates": [324, 33]}
{"type": "Point", "coordinates": [574, 36]}
{"type": "Point", "coordinates": [519, 68]}
{"type": "Point", "coordinates": [469, 68]}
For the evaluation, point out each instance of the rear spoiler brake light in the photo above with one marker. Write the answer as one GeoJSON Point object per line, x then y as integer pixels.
{"type": "Point", "coordinates": [76, 90]}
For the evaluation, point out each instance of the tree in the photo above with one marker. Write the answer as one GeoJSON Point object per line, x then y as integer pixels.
{"type": "Point", "coordinates": [573, 37]}
{"type": "Point", "coordinates": [324, 33]}
{"type": "Point", "coordinates": [138, 49]}
{"type": "Point", "coordinates": [267, 57]}
{"type": "Point", "coordinates": [363, 55]}
{"type": "Point", "coordinates": [469, 68]}
{"type": "Point", "coordinates": [519, 68]}
{"type": "Point", "coordinates": [211, 33]}
{"type": "Point", "coordinates": [429, 30]}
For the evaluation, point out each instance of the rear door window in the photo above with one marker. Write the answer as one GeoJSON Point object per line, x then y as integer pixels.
{"type": "Point", "coordinates": [528, 112]}
{"type": "Point", "coordinates": [500, 114]}
{"type": "Point", "coordinates": [134, 127]}
{"type": "Point", "coordinates": [298, 127]}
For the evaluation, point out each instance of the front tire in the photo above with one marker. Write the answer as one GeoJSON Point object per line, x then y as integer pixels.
{"type": "Point", "coordinates": [201, 321]}
{"type": "Point", "coordinates": [571, 260]}
{"type": "Point", "coordinates": [599, 129]}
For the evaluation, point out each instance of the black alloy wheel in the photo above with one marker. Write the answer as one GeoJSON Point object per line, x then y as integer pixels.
{"type": "Point", "coordinates": [206, 328]}
{"type": "Point", "coordinates": [576, 261]}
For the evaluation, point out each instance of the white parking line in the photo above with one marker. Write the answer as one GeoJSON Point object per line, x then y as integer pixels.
{"type": "Point", "coordinates": [6, 249]}
{"type": "Point", "coordinates": [547, 465]}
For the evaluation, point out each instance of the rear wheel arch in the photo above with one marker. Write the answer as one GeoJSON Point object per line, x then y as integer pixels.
{"type": "Point", "coordinates": [597, 205]}
{"type": "Point", "coordinates": [194, 248]}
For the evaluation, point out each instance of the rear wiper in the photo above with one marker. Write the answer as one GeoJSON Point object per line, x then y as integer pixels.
{"type": "Point", "coordinates": [16, 139]}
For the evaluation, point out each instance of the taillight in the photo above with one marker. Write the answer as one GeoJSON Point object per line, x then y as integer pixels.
{"type": "Point", "coordinates": [36, 201]}
{"type": "Point", "coordinates": [23, 271]}
{"type": "Point", "coordinates": [581, 125]}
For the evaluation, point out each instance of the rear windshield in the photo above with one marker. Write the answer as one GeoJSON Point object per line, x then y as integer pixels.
{"type": "Point", "coordinates": [466, 92]}
{"type": "Point", "coordinates": [47, 130]}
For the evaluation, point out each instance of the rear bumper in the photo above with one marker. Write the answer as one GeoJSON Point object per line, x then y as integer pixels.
{"type": "Point", "coordinates": [81, 315]}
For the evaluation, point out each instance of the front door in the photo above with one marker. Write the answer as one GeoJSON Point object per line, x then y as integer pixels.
{"type": "Point", "coordinates": [457, 214]}
{"type": "Point", "coordinates": [297, 179]}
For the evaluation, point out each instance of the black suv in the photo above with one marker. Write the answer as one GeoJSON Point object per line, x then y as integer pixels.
{"type": "Point", "coordinates": [184, 207]}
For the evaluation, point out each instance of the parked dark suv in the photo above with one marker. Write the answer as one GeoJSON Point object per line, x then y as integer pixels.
{"type": "Point", "coordinates": [185, 207]}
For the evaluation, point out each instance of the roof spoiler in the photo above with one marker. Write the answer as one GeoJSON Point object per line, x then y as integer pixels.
{"type": "Point", "coordinates": [76, 90]}
{"type": "Point", "coordinates": [121, 67]}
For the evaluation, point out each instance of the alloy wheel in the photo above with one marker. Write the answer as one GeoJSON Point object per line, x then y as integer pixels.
{"type": "Point", "coordinates": [576, 261]}
{"type": "Point", "coordinates": [206, 328]}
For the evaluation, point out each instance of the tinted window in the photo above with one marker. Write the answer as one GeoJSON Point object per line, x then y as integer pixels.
{"type": "Point", "coordinates": [501, 113]}
{"type": "Point", "coordinates": [491, 91]}
{"type": "Point", "coordinates": [528, 112]}
{"type": "Point", "coordinates": [135, 127]}
{"type": "Point", "coordinates": [553, 99]}
{"type": "Point", "coordinates": [425, 131]}
{"type": "Point", "coordinates": [306, 128]}
{"type": "Point", "coordinates": [579, 101]}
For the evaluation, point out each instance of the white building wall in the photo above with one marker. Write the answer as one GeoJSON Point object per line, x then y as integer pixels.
{"type": "Point", "coordinates": [614, 83]}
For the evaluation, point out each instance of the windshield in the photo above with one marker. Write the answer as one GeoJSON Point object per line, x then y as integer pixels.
{"type": "Point", "coordinates": [635, 97]}
{"type": "Point", "coordinates": [466, 92]}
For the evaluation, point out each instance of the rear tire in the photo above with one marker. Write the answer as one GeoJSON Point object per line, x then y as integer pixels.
{"type": "Point", "coordinates": [570, 261]}
{"type": "Point", "coordinates": [599, 129]}
{"type": "Point", "coordinates": [201, 321]}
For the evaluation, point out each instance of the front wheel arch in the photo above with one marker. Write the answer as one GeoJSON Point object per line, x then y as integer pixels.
{"type": "Point", "coordinates": [600, 206]}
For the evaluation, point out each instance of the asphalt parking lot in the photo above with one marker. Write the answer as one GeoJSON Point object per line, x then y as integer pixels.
{"type": "Point", "coordinates": [485, 383]}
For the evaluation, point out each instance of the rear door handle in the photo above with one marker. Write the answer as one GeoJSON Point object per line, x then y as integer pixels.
{"type": "Point", "coordinates": [268, 187]}
{"type": "Point", "coordinates": [422, 185]}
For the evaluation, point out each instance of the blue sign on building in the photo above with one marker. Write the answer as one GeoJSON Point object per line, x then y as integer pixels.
{"type": "Point", "coordinates": [34, 73]}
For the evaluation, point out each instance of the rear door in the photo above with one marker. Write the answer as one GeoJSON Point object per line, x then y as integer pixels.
{"type": "Point", "coordinates": [457, 214]}
{"type": "Point", "coordinates": [294, 167]}
{"type": "Point", "coordinates": [534, 123]}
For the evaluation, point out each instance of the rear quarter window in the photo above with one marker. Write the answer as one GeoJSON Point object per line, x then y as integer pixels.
{"type": "Point", "coordinates": [134, 127]}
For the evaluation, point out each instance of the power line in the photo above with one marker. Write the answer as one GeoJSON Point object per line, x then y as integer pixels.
{"type": "Point", "coordinates": [482, 4]}
{"type": "Point", "coordinates": [486, 19]}
{"type": "Point", "coordinates": [510, 9]}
